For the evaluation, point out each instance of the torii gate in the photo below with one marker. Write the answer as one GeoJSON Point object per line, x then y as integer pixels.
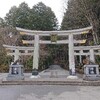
{"type": "Point", "coordinates": [70, 41]}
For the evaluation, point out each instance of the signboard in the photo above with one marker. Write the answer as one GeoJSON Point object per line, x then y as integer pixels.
{"type": "Point", "coordinates": [53, 37]}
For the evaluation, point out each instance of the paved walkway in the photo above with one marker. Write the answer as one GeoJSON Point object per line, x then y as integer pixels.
{"type": "Point", "coordinates": [45, 92]}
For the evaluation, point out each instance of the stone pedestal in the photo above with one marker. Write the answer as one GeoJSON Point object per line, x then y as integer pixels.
{"type": "Point", "coordinates": [35, 73]}
{"type": "Point", "coordinates": [15, 73]}
{"type": "Point", "coordinates": [91, 72]}
{"type": "Point", "coordinates": [72, 77]}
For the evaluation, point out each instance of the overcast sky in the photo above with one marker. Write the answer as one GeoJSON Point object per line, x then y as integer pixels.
{"type": "Point", "coordinates": [56, 5]}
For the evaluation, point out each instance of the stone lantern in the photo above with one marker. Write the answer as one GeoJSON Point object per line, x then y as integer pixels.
{"type": "Point", "coordinates": [15, 72]}
{"type": "Point", "coordinates": [91, 72]}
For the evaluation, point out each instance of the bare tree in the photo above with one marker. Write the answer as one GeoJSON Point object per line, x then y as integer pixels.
{"type": "Point", "coordinates": [91, 10]}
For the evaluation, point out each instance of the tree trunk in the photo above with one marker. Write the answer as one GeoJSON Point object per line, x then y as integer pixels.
{"type": "Point", "coordinates": [92, 18]}
{"type": "Point", "coordinates": [96, 33]}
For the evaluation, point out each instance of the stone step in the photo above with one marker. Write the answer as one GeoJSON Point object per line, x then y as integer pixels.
{"type": "Point", "coordinates": [69, 82]}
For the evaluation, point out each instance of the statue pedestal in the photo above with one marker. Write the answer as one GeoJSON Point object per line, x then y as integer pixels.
{"type": "Point", "coordinates": [15, 73]}
{"type": "Point", "coordinates": [91, 72]}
